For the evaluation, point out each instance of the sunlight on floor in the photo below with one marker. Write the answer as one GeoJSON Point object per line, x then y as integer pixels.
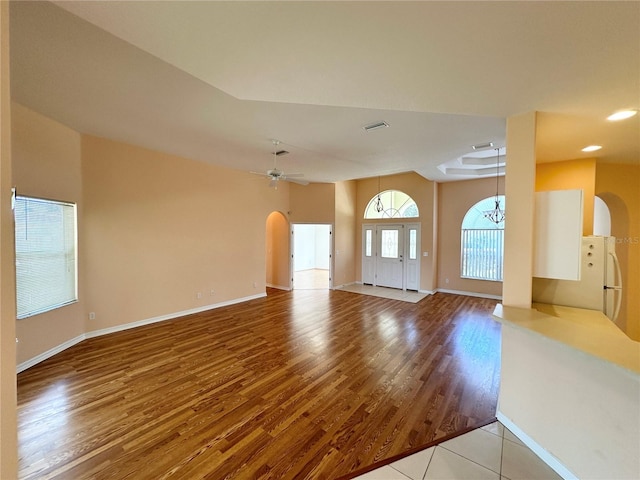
{"type": "Point", "coordinates": [312, 279]}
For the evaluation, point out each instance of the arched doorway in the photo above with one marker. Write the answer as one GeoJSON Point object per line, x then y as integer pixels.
{"type": "Point", "coordinates": [611, 218]}
{"type": "Point", "coordinates": [277, 251]}
{"type": "Point", "coordinates": [601, 218]}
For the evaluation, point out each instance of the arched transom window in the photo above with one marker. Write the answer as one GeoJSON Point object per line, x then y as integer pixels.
{"type": "Point", "coordinates": [482, 242]}
{"type": "Point", "coordinates": [391, 204]}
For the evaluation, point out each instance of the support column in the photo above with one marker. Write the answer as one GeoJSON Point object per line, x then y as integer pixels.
{"type": "Point", "coordinates": [520, 180]}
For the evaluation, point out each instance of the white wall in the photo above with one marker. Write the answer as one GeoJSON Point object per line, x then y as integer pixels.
{"type": "Point", "coordinates": [311, 247]}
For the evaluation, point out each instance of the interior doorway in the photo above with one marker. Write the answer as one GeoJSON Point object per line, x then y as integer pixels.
{"type": "Point", "coordinates": [311, 256]}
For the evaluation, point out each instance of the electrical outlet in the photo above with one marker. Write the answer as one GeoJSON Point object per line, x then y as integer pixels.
{"type": "Point", "coordinates": [199, 295]}
{"type": "Point", "coordinates": [92, 315]}
{"type": "Point", "coordinates": [212, 292]}
{"type": "Point", "coordinates": [255, 284]}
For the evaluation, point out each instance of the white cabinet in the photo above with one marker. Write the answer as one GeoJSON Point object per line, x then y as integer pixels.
{"type": "Point", "coordinates": [558, 234]}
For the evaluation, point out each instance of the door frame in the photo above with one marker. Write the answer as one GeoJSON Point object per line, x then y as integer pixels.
{"type": "Point", "coordinates": [411, 267]}
{"type": "Point", "coordinates": [292, 252]}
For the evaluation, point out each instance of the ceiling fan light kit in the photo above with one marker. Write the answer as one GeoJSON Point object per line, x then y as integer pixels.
{"type": "Point", "coordinates": [275, 175]}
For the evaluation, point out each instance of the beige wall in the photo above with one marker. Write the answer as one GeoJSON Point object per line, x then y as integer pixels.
{"type": "Point", "coordinates": [520, 193]}
{"type": "Point", "coordinates": [568, 175]}
{"type": "Point", "coordinates": [344, 234]}
{"type": "Point", "coordinates": [581, 410]}
{"type": "Point", "coordinates": [619, 186]}
{"type": "Point", "coordinates": [313, 203]}
{"type": "Point", "coordinates": [47, 164]}
{"type": "Point", "coordinates": [278, 251]}
{"type": "Point", "coordinates": [8, 429]}
{"type": "Point", "coordinates": [455, 199]}
{"type": "Point", "coordinates": [423, 192]}
{"type": "Point", "coordinates": [160, 229]}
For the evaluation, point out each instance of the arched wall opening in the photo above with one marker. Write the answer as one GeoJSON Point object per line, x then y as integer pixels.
{"type": "Point", "coordinates": [619, 228]}
{"type": "Point", "coordinates": [277, 251]}
{"type": "Point", "coordinates": [601, 218]}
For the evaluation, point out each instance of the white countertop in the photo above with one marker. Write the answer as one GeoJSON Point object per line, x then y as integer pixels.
{"type": "Point", "coordinates": [586, 330]}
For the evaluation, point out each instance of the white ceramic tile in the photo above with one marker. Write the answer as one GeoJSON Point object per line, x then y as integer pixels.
{"type": "Point", "coordinates": [383, 473]}
{"type": "Point", "coordinates": [478, 446]}
{"type": "Point", "coordinates": [446, 465]}
{"type": "Point", "coordinates": [391, 293]}
{"type": "Point", "coordinates": [415, 465]}
{"type": "Point", "coordinates": [520, 463]}
{"type": "Point", "coordinates": [508, 434]}
{"type": "Point", "coordinates": [496, 428]}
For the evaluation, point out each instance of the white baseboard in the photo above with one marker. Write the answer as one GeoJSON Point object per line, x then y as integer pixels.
{"type": "Point", "coordinates": [470, 294]}
{"type": "Point", "coordinates": [545, 456]}
{"type": "Point", "coordinates": [50, 353]}
{"type": "Point", "coordinates": [279, 287]}
{"type": "Point", "coordinates": [119, 328]}
{"type": "Point", "coordinates": [428, 292]}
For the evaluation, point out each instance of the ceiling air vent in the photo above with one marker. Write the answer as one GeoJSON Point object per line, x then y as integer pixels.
{"type": "Point", "coordinates": [482, 146]}
{"type": "Point", "coordinates": [375, 126]}
{"type": "Point", "coordinates": [279, 153]}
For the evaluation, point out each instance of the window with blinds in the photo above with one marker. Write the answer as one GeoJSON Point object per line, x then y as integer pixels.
{"type": "Point", "coordinates": [46, 255]}
{"type": "Point", "coordinates": [482, 243]}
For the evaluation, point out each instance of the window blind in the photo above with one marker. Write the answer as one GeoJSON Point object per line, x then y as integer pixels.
{"type": "Point", "coordinates": [46, 258]}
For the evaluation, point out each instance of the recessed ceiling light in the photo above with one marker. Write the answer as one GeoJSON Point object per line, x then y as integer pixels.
{"type": "Point", "coordinates": [375, 126]}
{"type": "Point", "coordinates": [591, 148]}
{"type": "Point", "coordinates": [622, 115]}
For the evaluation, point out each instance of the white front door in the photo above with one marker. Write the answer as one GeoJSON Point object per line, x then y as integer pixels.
{"type": "Point", "coordinates": [391, 255]}
{"type": "Point", "coordinates": [389, 261]}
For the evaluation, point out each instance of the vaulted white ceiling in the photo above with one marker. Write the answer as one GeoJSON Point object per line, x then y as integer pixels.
{"type": "Point", "coordinates": [216, 81]}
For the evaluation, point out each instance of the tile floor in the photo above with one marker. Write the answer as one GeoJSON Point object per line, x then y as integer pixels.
{"type": "Point", "coordinates": [488, 453]}
{"type": "Point", "coordinates": [391, 293]}
{"type": "Point", "coordinates": [312, 279]}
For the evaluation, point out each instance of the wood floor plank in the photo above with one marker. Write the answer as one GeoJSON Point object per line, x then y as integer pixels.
{"type": "Point", "coordinates": [306, 384]}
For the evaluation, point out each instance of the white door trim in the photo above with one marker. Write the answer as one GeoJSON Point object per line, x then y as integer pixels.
{"type": "Point", "coordinates": [411, 267]}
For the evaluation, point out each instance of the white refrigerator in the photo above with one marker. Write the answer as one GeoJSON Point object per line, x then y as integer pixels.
{"type": "Point", "coordinates": [600, 284]}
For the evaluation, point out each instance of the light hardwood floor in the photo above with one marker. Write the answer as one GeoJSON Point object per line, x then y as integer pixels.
{"type": "Point", "coordinates": [303, 384]}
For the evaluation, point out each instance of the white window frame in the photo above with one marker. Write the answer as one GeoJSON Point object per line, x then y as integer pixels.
{"type": "Point", "coordinates": [487, 264]}
{"type": "Point", "coordinates": [395, 204]}
{"type": "Point", "coordinates": [46, 254]}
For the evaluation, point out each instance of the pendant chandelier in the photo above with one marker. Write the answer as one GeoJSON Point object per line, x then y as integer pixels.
{"type": "Point", "coordinates": [378, 204]}
{"type": "Point", "coordinates": [497, 214]}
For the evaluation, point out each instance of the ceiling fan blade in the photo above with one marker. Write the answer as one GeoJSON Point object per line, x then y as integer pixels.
{"type": "Point", "coordinates": [261, 174]}
{"type": "Point", "coordinates": [294, 175]}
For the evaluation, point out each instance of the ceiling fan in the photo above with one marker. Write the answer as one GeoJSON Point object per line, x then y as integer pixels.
{"type": "Point", "coordinates": [275, 174]}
